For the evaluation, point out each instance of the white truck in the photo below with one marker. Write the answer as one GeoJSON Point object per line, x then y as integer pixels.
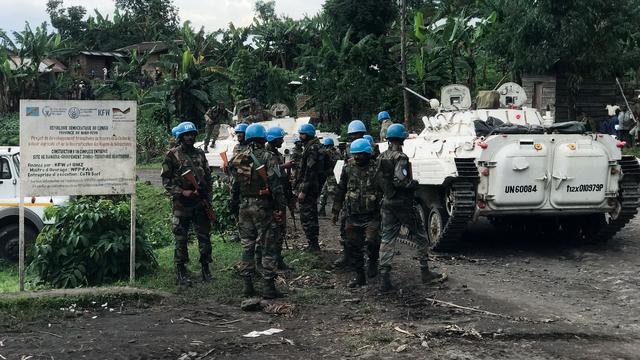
{"type": "Point", "coordinates": [9, 202]}
{"type": "Point", "coordinates": [519, 169]}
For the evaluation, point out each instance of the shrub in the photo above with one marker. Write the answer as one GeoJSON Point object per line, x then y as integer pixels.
{"type": "Point", "coordinates": [221, 198]}
{"type": "Point", "coordinates": [154, 209]}
{"type": "Point", "coordinates": [9, 129]}
{"type": "Point", "coordinates": [89, 244]}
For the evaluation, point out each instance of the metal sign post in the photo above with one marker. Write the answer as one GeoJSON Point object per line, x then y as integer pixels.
{"type": "Point", "coordinates": [21, 236]}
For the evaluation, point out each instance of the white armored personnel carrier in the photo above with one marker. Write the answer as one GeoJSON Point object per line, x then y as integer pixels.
{"type": "Point", "coordinates": [514, 166]}
{"type": "Point", "coordinates": [278, 115]}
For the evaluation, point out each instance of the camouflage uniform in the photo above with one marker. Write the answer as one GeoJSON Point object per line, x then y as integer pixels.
{"type": "Point", "coordinates": [236, 150]}
{"type": "Point", "coordinates": [329, 188]}
{"type": "Point", "coordinates": [397, 210]}
{"type": "Point", "coordinates": [188, 210]}
{"type": "Point", "coordinates": [383, 129]}
{"type": "Point", "coordinates": [214, 117]}
{"type": "Point", "coordinates": [358, 195]}
{"type": "Point", "coordinates": [255, 210]}
{"type": "Point", "coordinates": [296, 157]}
{"type": "Point", "coordinates": [280, 230]}
{"type": "Point", "coordinates": [310, 181]}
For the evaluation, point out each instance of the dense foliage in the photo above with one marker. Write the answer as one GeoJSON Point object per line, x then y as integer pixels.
{"type": "Point", "coordinates": [89, 244]}
{"type": "Point", "coordinates": [345, 58]}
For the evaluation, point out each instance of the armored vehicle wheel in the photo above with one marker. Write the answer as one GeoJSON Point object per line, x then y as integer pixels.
{"type": "Point", "coordinates": [449, 217]}
{"type": "Point", "coordinates": [435, 223]}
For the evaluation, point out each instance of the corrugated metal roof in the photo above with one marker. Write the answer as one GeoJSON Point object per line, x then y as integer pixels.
{"type": "Point", "coordinates": [45, 65]}
{"type": "Point", "coordinates": [102, 53]}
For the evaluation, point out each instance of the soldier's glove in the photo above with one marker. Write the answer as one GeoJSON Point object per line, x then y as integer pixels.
{"type": "Point", "coordinates": [334, 218]}
{"type": "Point", "coordinates": [189, 193]}
{"type": "Point", "coordinates": [277, 216]}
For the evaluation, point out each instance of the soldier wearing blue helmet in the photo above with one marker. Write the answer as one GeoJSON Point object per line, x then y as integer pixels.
{"type": "Point", "coordinates": [186, 201]}
{"type": "Point", "coordinates": [258, 198]}
{"type": "Point", "coordinates": [309, 184]}
{"type": "Point", "coordinates": [275, 139]}
{"type": "Point", "coordinates": [385, 121]}
{"type": "Point", "coordinates": [399, 187]}
{"type": "Point", "coordinates": [358, 196]}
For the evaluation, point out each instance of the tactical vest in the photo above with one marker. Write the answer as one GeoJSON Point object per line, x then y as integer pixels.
{"type": "Point", "coordinates": [361, 196]}
{"type": "Point", "coordinates": [246, 175]}
{"type": "Point", "coordinates": [194, 161]}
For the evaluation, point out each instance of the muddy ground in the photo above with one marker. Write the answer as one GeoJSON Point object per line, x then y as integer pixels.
{"type": "Point", "coordinates": [534, 299]}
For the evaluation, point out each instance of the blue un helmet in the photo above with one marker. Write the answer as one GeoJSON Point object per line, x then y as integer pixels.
{"type": "Point", "coordinates": [356, 126]}
{"type": "Point", "coordinates": [183, 128]}
{"type": "Point", "coordinates": [361, 146]}
{"type": "Point", "coordinates": [328, 142]}
{"type": "Point", "coordinates": [275, 133]}
{"type": "Point", "coordinates": [255, 131]}
{"type": "Point", "coordinates": [383, 115]}
{"type": "Point", "coordinates": [241, 128]}
{"type": "Point", "coordinates": [307, 129]}
{"type": "Point", "coordinates": [396, 131]}
{"type": "Point", "coordinates": [173, 132]}
{"type": "Point", "coordinates": [369, 138]}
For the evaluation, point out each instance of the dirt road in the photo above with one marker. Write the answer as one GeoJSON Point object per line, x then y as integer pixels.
{"type": "Point", "coordinates": [534, 299]}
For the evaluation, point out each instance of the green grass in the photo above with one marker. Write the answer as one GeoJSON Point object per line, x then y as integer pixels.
{"type": "Point", "coordinates": [227, 284]}
{"type": "Point", "coordinates": [8, 277]}
{"type": "Point", "coordinates": [156, 164]}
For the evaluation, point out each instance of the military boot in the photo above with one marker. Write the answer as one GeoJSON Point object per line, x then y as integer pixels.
{"type": "Point", "coordinates": [206, 274]}
{"type": "Point", "coordinates": [322, 211]}
{"type": "Point", "coordinates": [386, 285]}
{"type": "Point", "coordinates": [313, 247]}
{"type": "Point", "coordinates": [341, 262]}
{"type": "Point", "coordinates": [248, 291]}
{"type": "Point", "coordinates": [358, 280]}
{"type": "Point", "coordinates": [429, 277]}
{"type": "Point", "coordinates": [270, 291]}
{"type": "Point", "coordinates": [182, 275]}
{"type": "Point", "coordinates": [372, 269]}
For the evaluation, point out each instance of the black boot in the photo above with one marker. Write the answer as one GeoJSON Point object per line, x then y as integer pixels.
{"type": "Point", "coordinates": [386, 285]}
{"type": "Point", "coordinates": [341, 262]}
{"type": "Point", "coordinates": [206, 274]}
{"type": "Point", "coordinates": [429, 277]}
{"type": "Point", "coordinates": [270, 291]}
{"type": "Point", "coordinates": [248, 291]}
{"type": "Point", "coordinates": [372, 269]}
{"type": "Point", "coordinates": [322, 211]}
{"type": "Point", "coordinates": [182, 275]}
{"type": "Point", "coordinates": [358, 280]}
{"type": "Point", "coordinates": [313, 247]}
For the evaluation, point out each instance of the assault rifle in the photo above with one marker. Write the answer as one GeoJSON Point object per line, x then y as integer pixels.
{"type": "Point", "coordinates": [190, 177]}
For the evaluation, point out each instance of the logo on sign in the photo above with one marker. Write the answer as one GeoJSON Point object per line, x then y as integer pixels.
{"type": "Point", "coordinates": [74, 113]}
{"type": "Point", "coordinates": [119, 111]}
{"type": "Point", "coordinates": [33, 111]}
{"type": "Point", "coordinates": [104, 112]}
{"type": "Point", "coordinates": [46, 111]}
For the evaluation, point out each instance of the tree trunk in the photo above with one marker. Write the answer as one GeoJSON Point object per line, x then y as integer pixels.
{"type": "Point", "coordinates": [403, 61]}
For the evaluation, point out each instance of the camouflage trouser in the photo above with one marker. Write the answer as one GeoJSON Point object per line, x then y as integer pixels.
{"type": "Point", "coordinates": [182, 219]}
{"type": "Point", "coordinates": [393, 217]}
{"type": "Point", "coordinates": [309, 217]}
{"type": "Point", "coordinates": [278, 232]}
{"type": "Point", "coordinates": [254, 223]}
{"type": "Point", "coordinates": [328, 190]}
{"type": "Point", "coordinates": [362, 230]}
{"type": "Point", "coordinates": [211, 134]}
